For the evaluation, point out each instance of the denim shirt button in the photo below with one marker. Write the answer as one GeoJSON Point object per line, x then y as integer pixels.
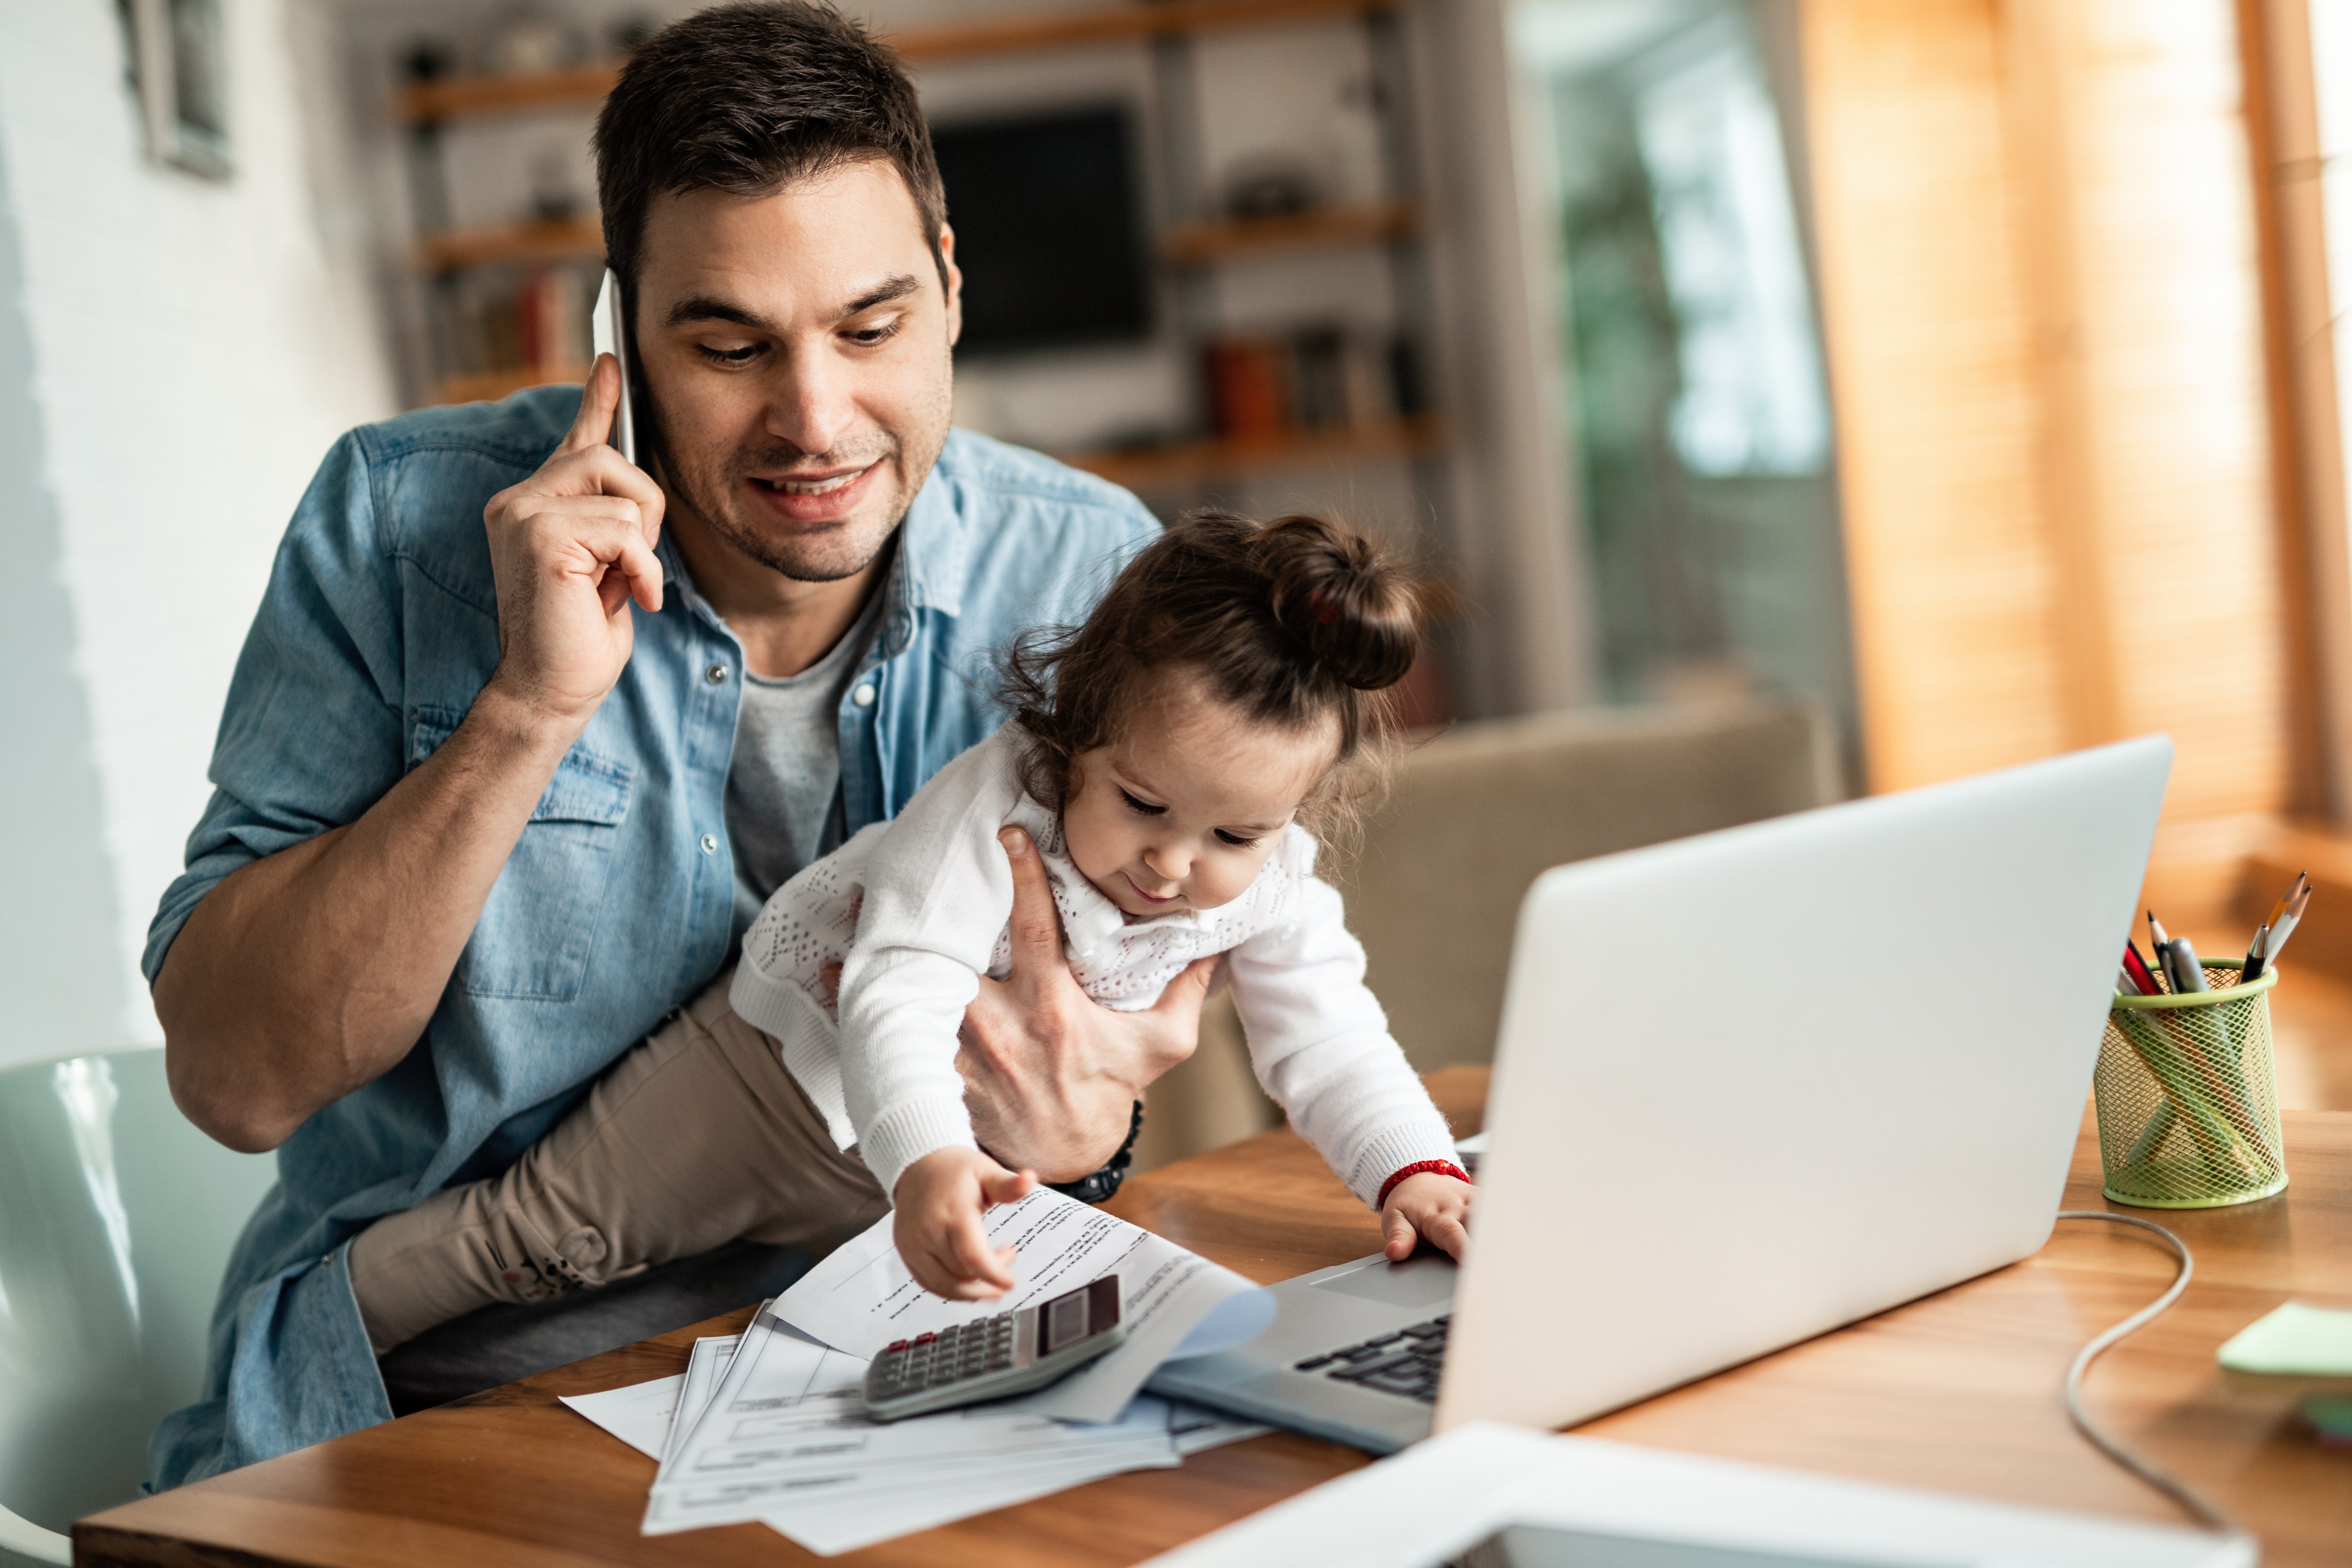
{"type": "Point", "coordinates": [864, 695]}
{"type": "Point", "coordinates": [715, 674]}
{"type": "Point", "coordinates": [710, 844]}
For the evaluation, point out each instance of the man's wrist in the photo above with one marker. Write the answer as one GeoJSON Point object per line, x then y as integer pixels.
{"type": "Point", "coordinates": [507, 718]}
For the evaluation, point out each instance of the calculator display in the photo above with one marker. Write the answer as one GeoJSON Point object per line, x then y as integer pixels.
{"type": "Point", "coordinates": [1066, 1320]}
{"type": "Point", "coordinates": [1082, 1313]}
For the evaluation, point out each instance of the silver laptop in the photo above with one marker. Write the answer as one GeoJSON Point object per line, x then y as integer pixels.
{"type": "Point", "coordinates": [1750, 1087]}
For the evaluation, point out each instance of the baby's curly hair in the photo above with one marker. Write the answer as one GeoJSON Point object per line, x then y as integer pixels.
{"type": "Point", "coordinates": [1294, 622]}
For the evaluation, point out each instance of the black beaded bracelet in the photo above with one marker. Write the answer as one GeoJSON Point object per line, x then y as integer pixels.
{"type": "Point", "coordinates": [1099, 1187]}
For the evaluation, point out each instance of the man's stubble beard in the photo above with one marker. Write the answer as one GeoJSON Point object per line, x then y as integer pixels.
{"type": "Point", "coordinates": [715, 505]}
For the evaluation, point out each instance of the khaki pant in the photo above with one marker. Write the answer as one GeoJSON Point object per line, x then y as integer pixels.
{"type": "Point", "coordinates": [696, 1137]}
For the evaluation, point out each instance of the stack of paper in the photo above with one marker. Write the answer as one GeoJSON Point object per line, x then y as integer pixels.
{"type": "Point", "coordinates": [771, 1425]}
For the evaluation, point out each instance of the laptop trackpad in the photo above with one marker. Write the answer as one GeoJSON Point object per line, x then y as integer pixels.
{"type": "Point", "coordinates": [1424, 1281]}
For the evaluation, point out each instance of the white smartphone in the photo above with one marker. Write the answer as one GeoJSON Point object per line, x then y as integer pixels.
{"type": "Point", "coordinates": [610, 332]}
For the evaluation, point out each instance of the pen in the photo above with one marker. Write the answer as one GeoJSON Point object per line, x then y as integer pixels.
{"type": "Point", "coordinates": [2285, 926]}
{"type": "Point", "coordinates": [2252, 968]}
{"type": "Point", "coordinates": [2180, 961]}
{"type": "Point", "coordinates": [2126, 985]}
{"type": "Point", "coordinates": [2278, 911]}
{"type": "Point", "coordinates": [2136, 967]}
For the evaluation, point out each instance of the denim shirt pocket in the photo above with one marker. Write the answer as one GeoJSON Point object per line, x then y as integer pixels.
{"type": "Point", "coordinates": [539, 925]}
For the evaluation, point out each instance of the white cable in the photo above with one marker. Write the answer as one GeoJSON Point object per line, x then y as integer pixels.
{"type": "Point", "coordinates": [2178, 1491]}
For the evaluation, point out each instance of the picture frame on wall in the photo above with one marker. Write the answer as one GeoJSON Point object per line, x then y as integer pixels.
{"type": "Point", "coordinates": [179, 62]}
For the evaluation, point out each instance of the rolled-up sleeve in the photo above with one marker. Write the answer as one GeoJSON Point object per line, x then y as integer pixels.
{"type": "Point", "coordinates": [310, 735]}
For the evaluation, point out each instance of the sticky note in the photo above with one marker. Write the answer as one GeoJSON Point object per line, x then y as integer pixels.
{"type": "Point", "coordinates": [2312, 1342]}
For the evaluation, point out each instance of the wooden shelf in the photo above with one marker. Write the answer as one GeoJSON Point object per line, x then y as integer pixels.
{"type": "Point", "coordinates": [1115, 24]}
{"type": "Point", "coordinates": [562, 240]}
{"type": "Point", "coordinates": [585, 86]}
{"type": "Point", "coordinates": [491, 385]}
{"type": "Point", "coordinates": [1199, 244]}
{"type": "Point", "coordinates": [1192, 244]}
{"type": "Point", "coordinates": [1187, 463]}
{"type": "Point", "coordinates": [459, 97]}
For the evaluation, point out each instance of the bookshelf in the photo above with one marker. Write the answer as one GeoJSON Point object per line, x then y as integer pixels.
{"type": "Point", "coordinates": [459, 98]}
{"type": "Point", "coordinates": [1180, 465]}
{"type": "Point", "coordinates": [1187, 245]}
{"type": "Point", "coordinates": [1214, 240]}
{"type": "Point", "coordinates": [559, 239]}
{"type": "Point", "coordinates": [1193, 247]}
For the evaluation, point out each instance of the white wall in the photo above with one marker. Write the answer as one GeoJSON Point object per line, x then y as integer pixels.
{"type": "Point", "coordinates": [175, 357]}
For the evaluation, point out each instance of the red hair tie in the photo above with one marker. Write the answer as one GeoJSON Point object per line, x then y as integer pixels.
{"type": "Point", "coordinates": [1325, 611]}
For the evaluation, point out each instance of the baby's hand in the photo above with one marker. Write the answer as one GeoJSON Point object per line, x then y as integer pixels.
{"type": "Point", "coordinates": [1427, 1207]}
{"type": "Point", "coordinates": [939, 1200]}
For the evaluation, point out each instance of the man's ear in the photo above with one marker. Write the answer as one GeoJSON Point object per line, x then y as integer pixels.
{"type": "Point", "coordinates": [954, 275]}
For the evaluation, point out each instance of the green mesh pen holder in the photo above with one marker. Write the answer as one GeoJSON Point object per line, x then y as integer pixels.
{"type": "Point", "coordinates": [2188, 1103]}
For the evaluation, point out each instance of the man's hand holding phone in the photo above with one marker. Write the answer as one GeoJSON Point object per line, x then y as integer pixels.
{"type": "Point", "coordinates": [571, 547]}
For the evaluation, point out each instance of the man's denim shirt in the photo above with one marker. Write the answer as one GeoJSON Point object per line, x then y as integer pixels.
{"type": "Point", "coordinates": [378, 627]}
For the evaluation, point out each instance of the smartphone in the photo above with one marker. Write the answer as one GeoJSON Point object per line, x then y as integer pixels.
{"type": "Point", "coordinates": [609, 331]}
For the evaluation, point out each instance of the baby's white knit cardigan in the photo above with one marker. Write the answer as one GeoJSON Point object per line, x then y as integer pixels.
{"type": "Point", "coordinates": [916, 910]}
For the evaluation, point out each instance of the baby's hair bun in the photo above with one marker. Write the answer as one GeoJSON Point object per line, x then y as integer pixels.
{"type": "Point", "coordinates": [1354, 610]}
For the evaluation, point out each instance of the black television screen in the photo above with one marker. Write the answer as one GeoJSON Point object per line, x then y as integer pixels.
{"type": "Point", "coordinates": [1044, 215]}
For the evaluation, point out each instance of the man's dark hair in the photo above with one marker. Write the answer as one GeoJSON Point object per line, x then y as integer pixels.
{"type": "Point", "coordinates": [748, 99]}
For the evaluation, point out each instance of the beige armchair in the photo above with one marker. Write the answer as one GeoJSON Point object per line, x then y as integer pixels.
{"type": "Point", "coordinates": [1471, 819]}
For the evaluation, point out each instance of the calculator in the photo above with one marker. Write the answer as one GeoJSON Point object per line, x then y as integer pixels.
{"type": "Point", "coordinates": [989, 1358]}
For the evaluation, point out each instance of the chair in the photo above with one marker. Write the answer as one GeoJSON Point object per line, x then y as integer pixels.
{"type": "Point", "coordinates": [1471, 818]}
{"type": "Point", "coordinates": [116, 1221]}
{"type": "Point", "coordinates": [1477, 816]}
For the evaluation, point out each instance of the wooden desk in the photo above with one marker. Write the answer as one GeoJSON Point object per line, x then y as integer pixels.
{"type": "Point", "coordinates": [1959, 1391]}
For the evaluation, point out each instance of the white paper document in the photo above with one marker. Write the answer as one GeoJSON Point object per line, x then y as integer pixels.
{"type": "Point", "coordinates": [638, 1415]}
{"type": "Point", "coordinates": [643, 1414]}
{"type": "Point", "coordinates": [1173, 1302]}
{"type": "Point", "coordinates": [835, 1502]}
{"type": "Point", "coordinates": [704, 1367]}
{"type": "Point", "coordinates": [785, 1440]}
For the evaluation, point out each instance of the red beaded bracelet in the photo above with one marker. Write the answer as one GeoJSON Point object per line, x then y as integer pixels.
{"type": "Point", "coordinates": [1420, 1167]}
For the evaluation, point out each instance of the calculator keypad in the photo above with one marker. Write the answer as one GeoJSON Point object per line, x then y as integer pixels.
{"type": "Point", "coordinates": [1404, 1361]}
{"type": "Point", "coordinates": [952, 1355]}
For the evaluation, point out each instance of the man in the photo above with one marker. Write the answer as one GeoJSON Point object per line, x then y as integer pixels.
{"type": "Point", "coordinates": [523, 736]}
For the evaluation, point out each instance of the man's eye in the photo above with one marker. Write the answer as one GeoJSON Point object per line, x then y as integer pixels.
{"type": "Point", "coordinates": [729, 356]}
{"type": "Point", "coordinates": [867, 337]}
{"type": "Point", "coordinates": [1235, 840]}
{"type": "Point", "coordinates": [1142, 807]}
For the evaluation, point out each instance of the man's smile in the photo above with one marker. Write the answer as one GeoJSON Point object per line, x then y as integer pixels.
{"type": "Point", "coordinates": [822, 496]}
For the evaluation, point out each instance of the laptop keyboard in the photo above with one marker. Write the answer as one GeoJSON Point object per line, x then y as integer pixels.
{"type": "Point", "coordinates": [1404, 1361]}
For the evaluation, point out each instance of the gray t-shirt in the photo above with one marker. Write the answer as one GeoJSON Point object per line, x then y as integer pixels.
{"type": "Point", "coordinates": [783, 784]}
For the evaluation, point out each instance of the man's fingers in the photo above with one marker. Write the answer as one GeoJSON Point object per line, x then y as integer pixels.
{"type": "Point", "coordinates": [632, 573]}
{"type": "Point", "coordinates": [601, 541]}
{"type": "Point", "coordinates": [1037, 924]}
{"type": "Point", "coordinates": [1186, 993]}
{"type": "Point", "coordinates": [600, 470]}
{"type": "Point", "coordinates": [599, 401]}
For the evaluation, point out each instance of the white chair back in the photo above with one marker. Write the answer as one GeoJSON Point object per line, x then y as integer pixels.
{"type": "Point", "coordinates": [116, 1220]}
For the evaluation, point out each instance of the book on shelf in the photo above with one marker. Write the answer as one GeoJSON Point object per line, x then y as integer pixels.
{"type": "Point", "coordinates": [515, 323]}
{"type": "Point", "coordinates": [1322, 377]}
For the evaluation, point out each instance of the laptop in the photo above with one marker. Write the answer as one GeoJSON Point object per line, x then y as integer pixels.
{"type": "Point", "coordinates": [1750, 1087]}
